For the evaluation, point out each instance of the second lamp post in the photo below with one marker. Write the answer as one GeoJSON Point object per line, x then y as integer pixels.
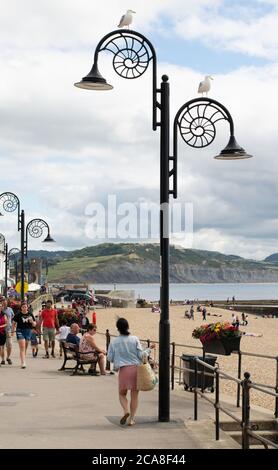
{"type": "Point", "coordinates": [34, 228]}
{"type": "Point", "coordinates": [132, 53]}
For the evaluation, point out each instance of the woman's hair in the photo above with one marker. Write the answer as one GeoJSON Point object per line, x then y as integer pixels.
{"type": "Point", "coordinates": [91, 327]}
{"type": "Point", "coordinates": [123, 326]}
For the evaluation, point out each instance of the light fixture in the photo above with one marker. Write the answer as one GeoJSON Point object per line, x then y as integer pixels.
{"type": "Point", "coordinates": [48, 239]}
{"type": "Point", "coordinates": [94, 81]}
{"type": "Point", "coordinates": [233, 151]}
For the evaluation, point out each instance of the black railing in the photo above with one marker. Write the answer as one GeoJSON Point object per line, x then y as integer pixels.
{"type": "Point", "coordinates": [245, 385]}
{"type": "Point", "coordinates": [243, 388]}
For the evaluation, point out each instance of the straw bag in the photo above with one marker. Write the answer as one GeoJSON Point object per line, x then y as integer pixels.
{"type": "Point", "coordinates": [146, 378]}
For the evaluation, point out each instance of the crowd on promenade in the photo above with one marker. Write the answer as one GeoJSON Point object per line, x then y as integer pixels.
{"type": "Point", "coordinates": [125, 351]}
{"type": "Point", "coordinates": [17, 318]}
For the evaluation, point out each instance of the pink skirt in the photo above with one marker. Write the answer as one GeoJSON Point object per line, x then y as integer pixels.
{"type": "Point", "coordinates": [128, 378]}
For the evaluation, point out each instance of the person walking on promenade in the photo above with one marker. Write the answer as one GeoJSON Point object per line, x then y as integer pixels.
{"type": "Point", "coordinates": [192, 312]}
{"type": "Point", "coordinates": [126, 352]}
{"type": "Point", "coordinates": [23, 322]}
{"type": "Point", "coordinates": [8, 311]}
{"type": "Point", "coordinates": [49, 322]}
{"type": "Point", "coordinates": [204, 313]}
{"type": "Point", "coordinates": [3, 336]}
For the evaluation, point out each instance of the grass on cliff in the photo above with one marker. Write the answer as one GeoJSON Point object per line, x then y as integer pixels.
{"type": "Point", "coordinates": [77, 265]}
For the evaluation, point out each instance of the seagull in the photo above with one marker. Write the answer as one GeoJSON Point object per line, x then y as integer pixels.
{"type": "Point", "coordinates": [204, 86]}
{"type": "Point", "coordinates": [126, 19]}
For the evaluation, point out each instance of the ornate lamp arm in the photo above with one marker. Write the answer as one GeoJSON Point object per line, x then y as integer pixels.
{"type": "Point", "coordinates": [132, 53]}
{"type": "Point", "coordinates": [10, 203]}
{"type": "Point", "coordinates": [196, 121]}
{"type": "Point", "coordinates": [35, 228]}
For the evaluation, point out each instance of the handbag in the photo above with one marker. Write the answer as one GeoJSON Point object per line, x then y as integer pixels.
{"type": "Point", "coordinates": [146, 378]}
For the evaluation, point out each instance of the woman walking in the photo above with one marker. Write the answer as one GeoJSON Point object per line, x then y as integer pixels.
{"type": "Point", "coordinates": [23, 322]}
{"type": "Point", "coordinates": [125, 352]}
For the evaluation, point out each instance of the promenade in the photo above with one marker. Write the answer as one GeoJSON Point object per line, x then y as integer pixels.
{"type": "Point", "coordinates": [42, 408]}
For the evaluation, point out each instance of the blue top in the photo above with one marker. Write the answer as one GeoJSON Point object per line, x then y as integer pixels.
{"type": "Point", "coordinates": [73, 339]}
{"type": "Point", "coordinates": [125, 351]}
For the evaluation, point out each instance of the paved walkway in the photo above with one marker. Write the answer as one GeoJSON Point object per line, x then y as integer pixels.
{"type": "Point", "coordinates": [44, 408]}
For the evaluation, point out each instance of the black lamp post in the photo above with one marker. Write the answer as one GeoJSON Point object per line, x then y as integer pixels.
{"type": "Point", "coordinates": [12, 253]}
{"type": "Point", "coordinates": [132, 54]}
{"type": "Point", "coordinates": [4, 248]}
{"type": "Point", "coordinates": [34, 228]}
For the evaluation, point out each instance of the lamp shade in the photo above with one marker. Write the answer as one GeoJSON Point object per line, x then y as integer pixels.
{"type": "Point", "coordinates": [48, 239]}
{"type": "Point", "coordinates": [93, 81]}
{"type": "Point", "coordinates": [233, 151]}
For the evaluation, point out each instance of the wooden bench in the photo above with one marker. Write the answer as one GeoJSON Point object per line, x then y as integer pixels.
{"type": "Point", "coordinates": [71, 353]}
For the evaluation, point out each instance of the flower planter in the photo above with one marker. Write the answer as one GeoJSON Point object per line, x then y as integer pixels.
{"type": "Point", "coordinates": [223, 346]}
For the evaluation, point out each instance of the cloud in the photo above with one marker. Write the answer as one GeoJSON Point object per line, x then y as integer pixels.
{"type": "Point", "coordinates": [250, 30]}
{"type": "Point", "coordinates": [62, 148]}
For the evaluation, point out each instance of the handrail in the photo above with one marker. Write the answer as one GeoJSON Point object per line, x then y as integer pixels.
{"type": "Point", "coordinates": [268, 392]}
{"type": "Point", "coordinates": [262, 439]}
{"type": "Point", "coordinates": [205, 364]}
{"type": "Point", "coordinates": [265, 356]}
{"type": "Point", "coordinates": [230, 414]}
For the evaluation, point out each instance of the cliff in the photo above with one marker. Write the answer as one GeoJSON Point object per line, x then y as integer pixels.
{"type": "Point", "coordinates": [139, 263]}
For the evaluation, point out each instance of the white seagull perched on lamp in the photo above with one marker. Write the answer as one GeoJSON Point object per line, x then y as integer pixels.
{"type": "Point", "coordinates": [126, 19]}
{"type": "Point", "coordinates": [204, 86]}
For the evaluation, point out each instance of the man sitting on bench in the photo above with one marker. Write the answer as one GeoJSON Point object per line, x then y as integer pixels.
{"type": "Point", "coordinates": [72, 336]}
{"type": "Point", "coordinates": [87, 344]}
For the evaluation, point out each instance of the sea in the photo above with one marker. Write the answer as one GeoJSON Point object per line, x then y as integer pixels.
{"type": "Point", "coordinates": [241, 291]}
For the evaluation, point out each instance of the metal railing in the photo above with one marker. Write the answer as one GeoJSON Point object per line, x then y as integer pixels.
{"type": "Point", "coordinates": [243, 388]}
{"type": "Point", "coordinates": [245, 385]}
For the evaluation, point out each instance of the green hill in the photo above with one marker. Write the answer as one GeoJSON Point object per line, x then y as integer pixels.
{"type": "Point", "coordinates": [135, 262]}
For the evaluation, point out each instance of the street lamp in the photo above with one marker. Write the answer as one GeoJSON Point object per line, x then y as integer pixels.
{"type": "Point", "coordinates": [34, 228]}
{"type": "Point", "coordinates": [132, 54]}
{"type": "Point", "coordinates": [3, 249]}
{"type": "Point", "coordinates": [12, 253]}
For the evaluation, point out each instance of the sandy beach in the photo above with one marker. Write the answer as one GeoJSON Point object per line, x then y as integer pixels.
{"type": "Point", "coordinates": [145, 325]}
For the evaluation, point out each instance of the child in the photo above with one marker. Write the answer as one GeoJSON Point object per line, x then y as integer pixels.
{"type": "Point", "coordinates": [63, 333]}
{"type": "Point", "coordinates": [34, 342]}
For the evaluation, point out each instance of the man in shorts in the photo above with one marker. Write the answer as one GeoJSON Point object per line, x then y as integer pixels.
{"type": "Point", "coordinates": [50, 325]}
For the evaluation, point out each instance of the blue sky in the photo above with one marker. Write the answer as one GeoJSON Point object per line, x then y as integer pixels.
{"type": "Point", "coordinates": [62, 148]}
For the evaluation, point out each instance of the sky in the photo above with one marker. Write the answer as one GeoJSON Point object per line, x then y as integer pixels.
{"type": "Point", "coordinates": [63, 149]}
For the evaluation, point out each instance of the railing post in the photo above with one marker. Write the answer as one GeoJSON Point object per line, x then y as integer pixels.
{"type": "Point", "coordinates": [276, 390]}
{"type": "Point", "coordinates": [245, 410]}
{"type": "Point", "coordinates": [203, 372]}
{"type": "Point", "coordinates": [173, 365]}
{"type": "Point", "coordinates": [180, 370]}
{"type": "Point", "coordinates": [195, 390]}
{"type": "Point", "coordinates": [107, 334]}
{"type": "Point", "coordinates": [216, 405]}
{"type": "Point", "coordinates": [148, 343]}
{"type": "Point", "coordinates": [239, 377]}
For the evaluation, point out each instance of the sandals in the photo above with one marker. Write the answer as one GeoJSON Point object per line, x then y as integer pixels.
{"type": "Point", "coordinates": [124, 418]}
{"type": "Point", "coordinates": [131, 422]}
